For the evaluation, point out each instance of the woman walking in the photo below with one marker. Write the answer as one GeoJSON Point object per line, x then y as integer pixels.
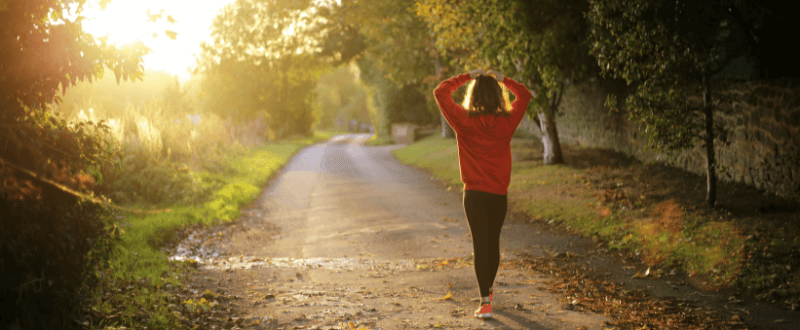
{"type": "Point", "coordinates": [484, 126]}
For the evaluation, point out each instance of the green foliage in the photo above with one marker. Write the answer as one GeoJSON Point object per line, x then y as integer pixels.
{"type": "Point", "coordinates": [435, 154]}
{"type": "Point", "coordinates": [668, 53]}
{"type": "Point", "coordinates": [397, 41]}
{"type": "Point", "coordinates": [51, 241]}
{"type": "Point", "coordinates": [409, 105]}
{"type": "Point", "coordinates": [49, 255]}
{"type": "Point", "coordinates": [135, 277]}
{"type": "Point", "coordinates": [376, 140]}
{"type": "Point", "coordinates": [44, 48]}
{"type": "Point", "coordinates": [225, 204]}
{"type": "Point", "coordinates": [380, 90]}
{"type": "Point", "coordinates": [260, 63]}
{"type": "Point", "coordinates": [340, 97]}
{"type": "Point", "coordinates": [665, 51]}
{"type": "Point", "coordinates": [396, 60]}
{"type": "Point", "coordinates": [541, 43]}
{"type": "Point", "coordinates": [158, 152]}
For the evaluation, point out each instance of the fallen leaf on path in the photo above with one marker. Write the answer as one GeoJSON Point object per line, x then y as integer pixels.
{"type": "Point", "coordinates": [448, 296]}
{"type": "Point", "coordinates": [639, 274]}
{"type": "Point", "coordinates": [208, 294]}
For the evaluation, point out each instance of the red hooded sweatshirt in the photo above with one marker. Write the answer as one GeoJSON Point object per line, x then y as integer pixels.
{"type": "Point", "coordinates": [484, 141]}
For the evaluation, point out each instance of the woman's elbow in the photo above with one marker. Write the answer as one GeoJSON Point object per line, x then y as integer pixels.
{"type": "Point", "coordinates": [440, 94]}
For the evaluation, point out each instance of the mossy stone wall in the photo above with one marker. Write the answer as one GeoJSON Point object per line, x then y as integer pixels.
{"type": "Point", "coordinates": [762, 117]}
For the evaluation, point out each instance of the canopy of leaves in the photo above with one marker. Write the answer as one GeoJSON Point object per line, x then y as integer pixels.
{"type": "Point", "coordinates": [393, 36]}
{"type": "Point", "coordinates": [261, 62]}
{"type": "Point", "coordinates": [541, 43]}
{"type": "Point", "coordinates": [340, 97]}
{"type": "Point", "coordinates": [393, 48]}
{"type": "Point", "coordinates": [44, 51]}
{"type": "Point", "coordinates": [46, 233]}
{"type": "Point", "coordinates": [44, 48]}
{"type": "Point", "coordinates": [665, 49]}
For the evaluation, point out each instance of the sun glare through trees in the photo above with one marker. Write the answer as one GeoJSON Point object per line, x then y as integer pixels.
{"type": "Point", "coordinates": [172, 30]}
{"type": "Point", "coordinates": [135, 131]}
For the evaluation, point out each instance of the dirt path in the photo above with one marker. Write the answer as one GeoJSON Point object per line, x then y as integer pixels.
{"type": "Point", "coordinates": [346, 237]}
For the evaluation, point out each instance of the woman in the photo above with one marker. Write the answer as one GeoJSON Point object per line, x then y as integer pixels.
{"type": "Point", "coordinates": [484, 126]}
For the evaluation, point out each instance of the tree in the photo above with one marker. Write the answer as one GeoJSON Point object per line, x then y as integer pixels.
{"type": "Point", "coordinates": [340, 97]}
{"type": "Point", "coordinates": [393, 54]}
{"type": "Point", "coordinates": [541, 43]}
{"type": "Point", "coordinates": [668, 51]}
{"type": "Point", "coordinates": [262, 61]}
{"type": "Point", "coordinates": [45, 50]}
{"type": "Point", "coordinates": [48, 166]}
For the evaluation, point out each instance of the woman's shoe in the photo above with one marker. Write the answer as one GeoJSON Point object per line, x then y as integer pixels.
{"type": "Point", "coordinates": [485, 312]}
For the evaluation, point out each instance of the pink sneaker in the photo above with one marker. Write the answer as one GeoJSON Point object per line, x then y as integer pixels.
{"type": "Point", "coordinates": [485, 312]}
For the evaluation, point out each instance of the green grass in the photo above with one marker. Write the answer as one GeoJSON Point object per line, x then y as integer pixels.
{"type": "Point", "coordinates": [140, 269]}
{"type": "Point", "coordinates": [664, 233]}
{"type": "Point", "coordinates": [332, 132]}
{"type": "Point", "coordinates": [376, 140]}
{"type": "Point", "coordinates": [435, 154]}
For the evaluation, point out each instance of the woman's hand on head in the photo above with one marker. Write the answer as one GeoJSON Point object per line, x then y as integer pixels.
{"type": "Point", "coordinates": [497, 75]}
{"type": "Point", "coordinates": [476, 72]}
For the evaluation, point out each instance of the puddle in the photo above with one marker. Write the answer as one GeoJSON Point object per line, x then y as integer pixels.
{"type": "Point", "coordinates": [193, 248]}
{"type": "Point", "coordinates": [245, 262]}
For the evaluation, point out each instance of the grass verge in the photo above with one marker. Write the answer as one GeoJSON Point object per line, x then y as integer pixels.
{"type": "Point", "coordinates": [139, 286]}
{"type": "Point", "coordinates": [650, 211]}
{"type": "Point", "coordinates": [376, 140]}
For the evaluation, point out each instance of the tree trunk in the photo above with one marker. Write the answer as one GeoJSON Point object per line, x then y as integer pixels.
{"type": "Point", "coordinates": [447, 131]}
{"type": "Point", "coordinates": [552, 146]}
{"type": "Point", "coordinates": [711, 173]}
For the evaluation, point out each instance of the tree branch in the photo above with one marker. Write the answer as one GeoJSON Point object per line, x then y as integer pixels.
{"type": "Point", "coordinates": [76, 193]}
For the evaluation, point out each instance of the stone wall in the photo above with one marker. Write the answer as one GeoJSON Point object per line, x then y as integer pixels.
{"type": "Point", "coordinates": [763, 119]}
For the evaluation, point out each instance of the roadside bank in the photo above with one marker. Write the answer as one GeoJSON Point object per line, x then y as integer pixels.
{"type": "Point", "coordinates": [649, 221]}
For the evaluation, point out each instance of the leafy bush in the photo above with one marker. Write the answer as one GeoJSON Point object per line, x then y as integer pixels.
{"type": "Point", "coordinates": [163, 156]}
{"type": "Point", "coordinates": [50, 241]}
{"type": "Point", "coordinates": [225, 206]}
{"type": "Point", "coordinates": [48, 259]}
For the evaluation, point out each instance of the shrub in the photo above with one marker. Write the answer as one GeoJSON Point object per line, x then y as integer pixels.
{"type": "Point", "coordinates": [161, 153]}
{"type": "Point", "coordinates": [50, 241]}
{"type": "Point", "coordinates": [48, 258]}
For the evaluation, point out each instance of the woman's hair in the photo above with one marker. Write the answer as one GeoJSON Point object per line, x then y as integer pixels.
{"type": "Point", "coordinates": [485, 96]}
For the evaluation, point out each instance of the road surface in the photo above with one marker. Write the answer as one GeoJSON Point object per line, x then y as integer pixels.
{"type": "Point", "coordinates": [345, 233]}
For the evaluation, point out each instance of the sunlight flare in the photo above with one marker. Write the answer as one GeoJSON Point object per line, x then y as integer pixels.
{"type": "Point", "coordinates": [127, 21]}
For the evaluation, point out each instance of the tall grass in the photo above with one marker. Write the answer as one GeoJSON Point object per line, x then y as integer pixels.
{"type": "Point", "coordinates": [201, 169]}
{"type": "Point", "coordinates": [163, 153]}
{"type": "Point", "coordinates": [197, 169]}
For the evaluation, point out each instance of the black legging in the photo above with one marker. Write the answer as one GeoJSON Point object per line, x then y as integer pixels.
{"type": "Point", "coordinates": [486, 213]}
